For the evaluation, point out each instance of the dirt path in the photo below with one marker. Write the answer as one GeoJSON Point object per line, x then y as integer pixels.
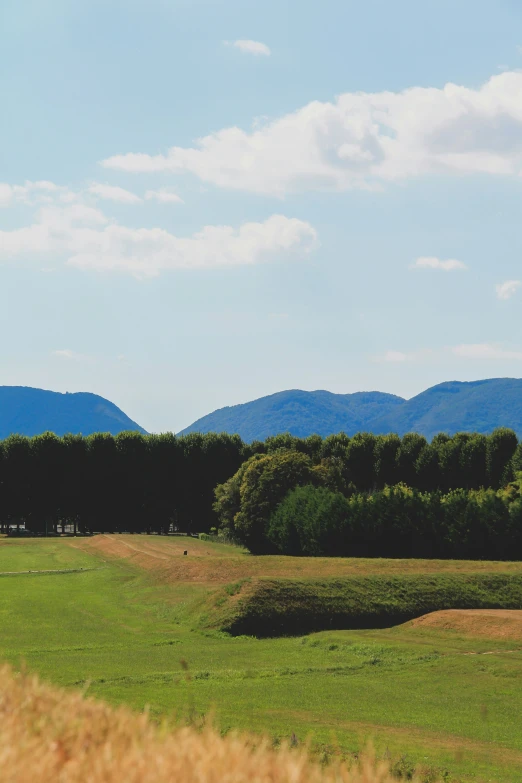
{"type": "Point", "coordinates": [165, 557]}
{"type": "Point", "coordinates": [210, 564]}
{"type": "Point", "coordinates": [140, 551]}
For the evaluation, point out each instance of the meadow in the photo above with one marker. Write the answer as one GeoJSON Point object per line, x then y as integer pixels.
{"type": "Point", "coordinates": [128, 619]}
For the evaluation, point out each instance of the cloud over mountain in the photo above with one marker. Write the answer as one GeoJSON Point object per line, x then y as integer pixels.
{"type": "Point", "coordinates": [360, 140]}
{"type": "Point", "coordinates": [87, 238]}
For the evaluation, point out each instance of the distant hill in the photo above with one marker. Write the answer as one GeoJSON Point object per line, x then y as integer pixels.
{"type": "Point", "coordinates": [300, 412]}
{"type": "Point", "coordinates": [28, 411]}
{"type": "Point", "coordinates": [477, 406]}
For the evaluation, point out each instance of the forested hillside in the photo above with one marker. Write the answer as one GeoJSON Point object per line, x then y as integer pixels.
{"type": "Point", "coordinates": [478, 406]}
{"type": "Point", "coordinates": [301, 413]}
{"type": "Point", "coordinates": [28, 411]}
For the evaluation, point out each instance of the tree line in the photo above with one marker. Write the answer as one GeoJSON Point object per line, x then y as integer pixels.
{"type": "Point", "coordinates": [399, 522]}
{"type": "Point", "coordinates": [156, 483]}
{"type": "Point", "coordinates": [369, 462]}
{"type": "Point", "coordinates": [283, 502]}
{"type": "Point", "coordinates": [101, 483]}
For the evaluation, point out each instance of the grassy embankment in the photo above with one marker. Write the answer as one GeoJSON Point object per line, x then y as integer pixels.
{"type": "Point", "coordinates": [125, 626]}
{"type": "Point", "coordinates": [276, 607]}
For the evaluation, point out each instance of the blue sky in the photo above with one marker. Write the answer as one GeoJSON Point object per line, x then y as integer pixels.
{"type": "Point", "coordinates": [206, 201]}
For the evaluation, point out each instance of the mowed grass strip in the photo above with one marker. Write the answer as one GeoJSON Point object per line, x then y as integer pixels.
{"type": "Point", "coordinates": [211, 563]}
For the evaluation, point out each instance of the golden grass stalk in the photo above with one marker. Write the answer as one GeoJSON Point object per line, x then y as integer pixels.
{"type": "Point", "coordinates": [52, 735]}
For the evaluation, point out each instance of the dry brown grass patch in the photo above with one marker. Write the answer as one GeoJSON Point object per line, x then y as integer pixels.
{"type": "Point", "coordinates": [488, 623]}
{"type": "Point", "coordinates": [205, 563]}
{"type": "Point", "coordinates": [53, 736]}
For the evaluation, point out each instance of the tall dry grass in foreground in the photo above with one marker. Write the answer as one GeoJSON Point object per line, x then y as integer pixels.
{"type": "Point", "coordinates": [48, 734]}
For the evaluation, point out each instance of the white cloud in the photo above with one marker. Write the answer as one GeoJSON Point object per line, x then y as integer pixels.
{"type": "Point", "coordinates": [6, 194]}
{"type": "Point", "coordinates": [507, 289]}
{"type": "Point", "coordinates": [87, 239]}
{"type": "Point", "coordinates": [431, 262]}
{"type": "Point", "coordinates": [360, 140]}
{"type": "Point", "coordinates": [470, 351]}
{"type": "Point", "coordinates": [31, 193]}
{"type": "Point", "coordinates": [396, 356]}
{"type": "Point", "coordinates": [66, 353]}
{"type": "Point", "coordinates": [250, 47]}
{"type": "Point", "coordinates": [45, 192]}
{"type": "Point", "coordinates": [485, 351]}
{"type": "Point", "coordinates": [164, 196]}
{"type": "Point", "coordinates": [113, 193]}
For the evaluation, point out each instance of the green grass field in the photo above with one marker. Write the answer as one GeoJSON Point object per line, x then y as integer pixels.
{"type": "Point", "coordinates": [123, 616]}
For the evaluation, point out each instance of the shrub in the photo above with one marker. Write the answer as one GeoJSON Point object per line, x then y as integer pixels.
{"type": "Point", "coordinates": [257, 488]}
{"type": "Point", "coordinates": [309, 521]}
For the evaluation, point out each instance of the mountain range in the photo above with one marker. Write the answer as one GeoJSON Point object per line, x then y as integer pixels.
{"type": "Point", "coordinates": [28, 411]}
{"type": "Point", "coordinates": [476, 406]}
{"type": "Point", "coordinates": [454, 406]}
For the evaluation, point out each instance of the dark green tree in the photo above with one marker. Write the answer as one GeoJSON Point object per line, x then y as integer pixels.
{"type": "Point", "coordinates": [17, 480]}
{"type": "Point", "coordinates": [74, 483]}
{"type": "Point", "coordinates": [360, 461]}
{"type": "Point", "coordinates": [501, 448]}
{"type": "Point", "coordinates": [310, 521]}
{"type": "Point", "coordinates": [265, 483]}
{"type": "Point", "coordinates": [47, 469]}
{"type": "Point", "coordinates": [385, 455]}
{"type": "Point", "coordinates": [162, 482]}
{"type": "Point", "coordinates": [284, 440]}
{"type": "Point", "coordinates": [130, 481]}
{"type": "Point", "coordinates": [474, 462]}
{"type": "Point", "coordinates": [335, 446]}
{"type": "Point", "coordinates": [407, 456]}
{"type": "Point", "coordinates": [102, 503]}
{"type": "Point", "coordinates": [427, 469]}
{"type": "Point", "coordinates": [227, 503]}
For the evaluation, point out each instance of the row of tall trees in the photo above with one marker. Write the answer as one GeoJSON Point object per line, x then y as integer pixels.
{"type": "Point", "coordinates": [465, 460]}
{"type": "Point", "coordinates": [103, 483]}
{"type": "Point", "coordinates": [157, 482]}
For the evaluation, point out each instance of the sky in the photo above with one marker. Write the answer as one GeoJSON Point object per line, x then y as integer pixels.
{"type": "Point", "coordinates": [206, 201]}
